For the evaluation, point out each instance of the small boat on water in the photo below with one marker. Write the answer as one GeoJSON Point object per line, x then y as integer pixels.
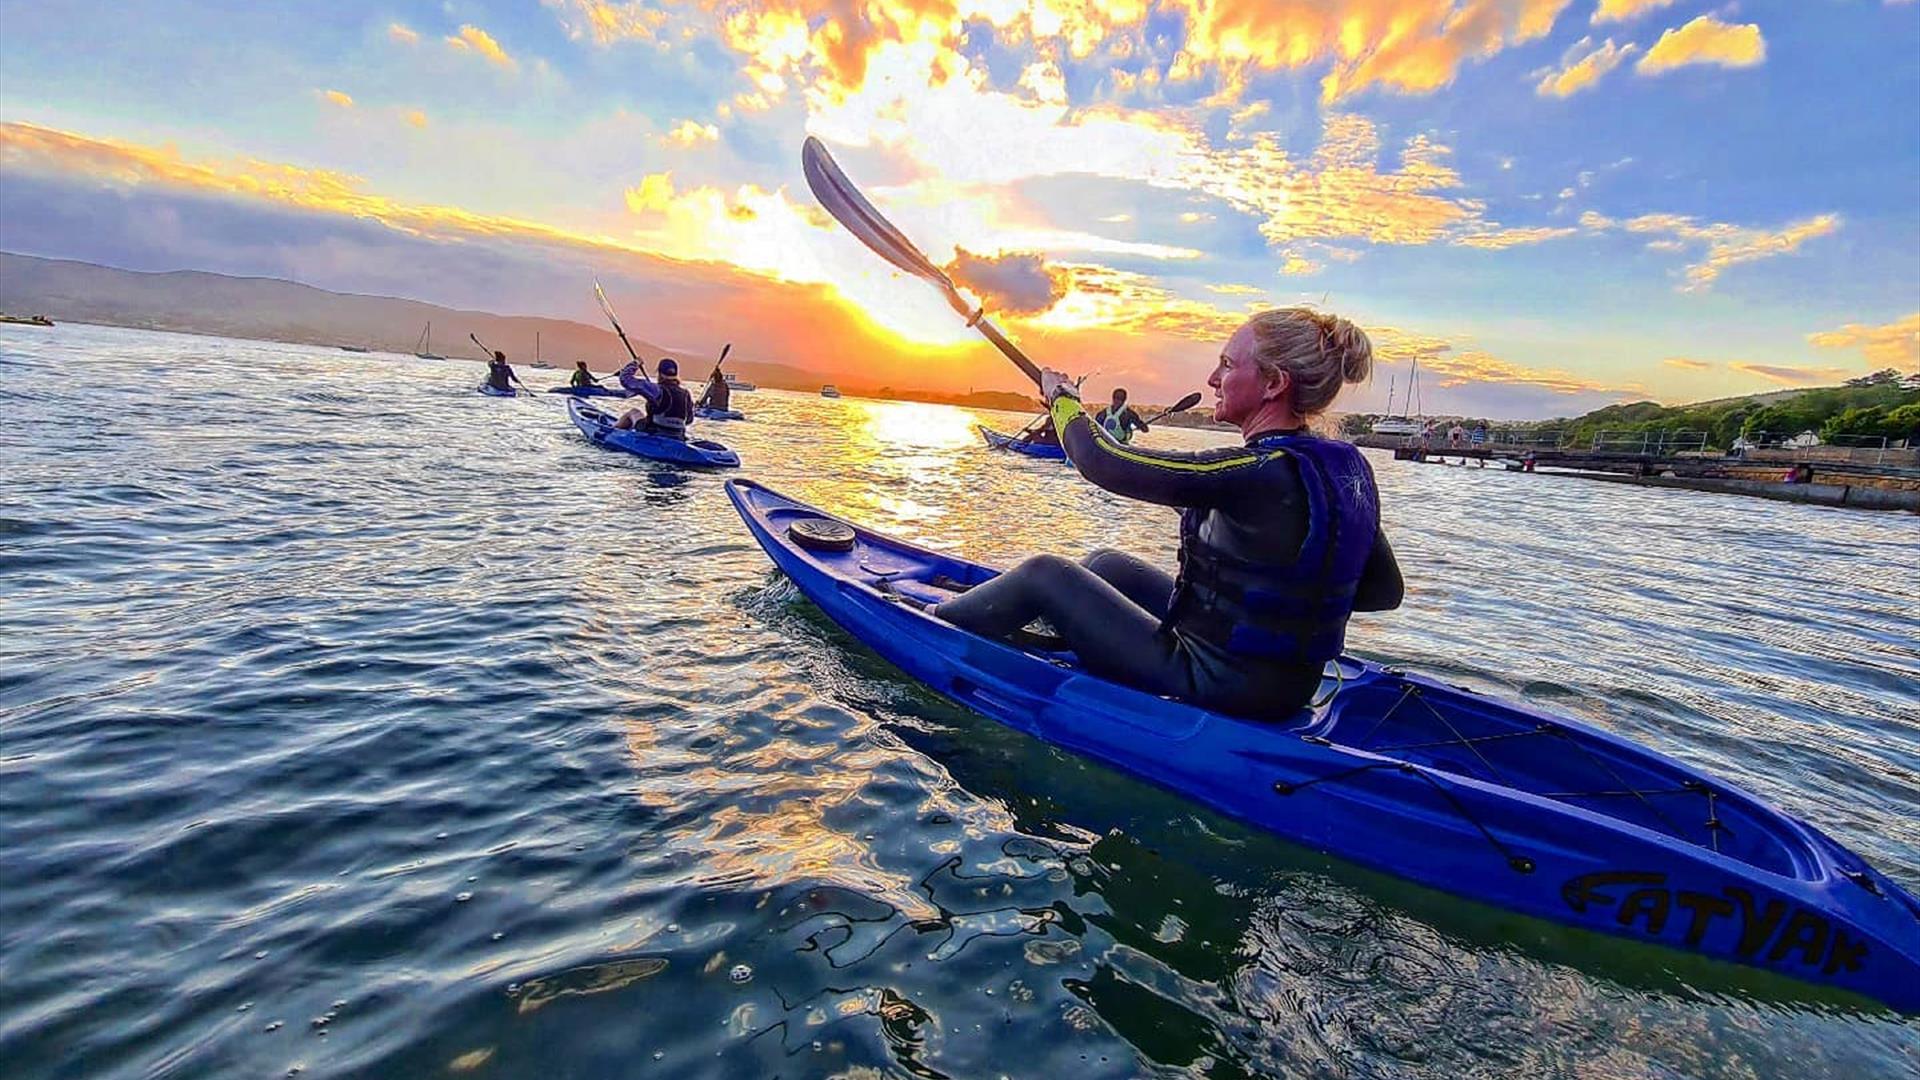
{"type": "Point", "coordinates": [1019, 445]}
{"type": "Point", "coordinates": [423, 347]}
{"type": "Point", "coordinates": [354, 348]}
{"type": "Point", "coordinates": [734, 382]}
{"type": "Point", "coordinates": [27, 320]}
{"type": "Point", "coordinates": [829, 390]}
{"type": "Point", "coordinates": [1396, 425]}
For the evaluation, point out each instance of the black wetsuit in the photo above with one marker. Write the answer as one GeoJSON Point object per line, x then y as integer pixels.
{"type": "Point", "coordinates": [669, 410]}
{"type": "Point", "coordinates": [1243, 507]}
{"type": "Point", "coordinates": [499, 375]}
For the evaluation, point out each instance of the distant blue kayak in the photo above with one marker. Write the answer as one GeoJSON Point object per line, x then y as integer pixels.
{"type": "Point", "coordinates": [1491, 801]}
{"type": "Point", "coordinates": [719, 414]}
{"type": "Point", "coordinates": [597, 425]}
{"type": "Point", "coordinates": [493, 391]}
{"type": "Point", "coordinates": [589, 391]}
{"type": "Point", "coordinates": [1050, 451]}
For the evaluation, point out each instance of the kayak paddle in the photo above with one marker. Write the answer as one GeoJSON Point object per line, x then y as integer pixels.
{"type": "Point", "coordinates": [1182, 405]}
{"type": "Point", "coordinates": [850, 208]}
{"type": "Point", "coordinates": [606, 306]}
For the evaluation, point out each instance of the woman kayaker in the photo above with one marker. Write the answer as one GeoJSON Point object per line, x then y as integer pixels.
{"type": "Point", "coordinates": [669, 408]}
{"type": "Point", "coordinates": [1119, 419]}
{"type": "Point", "coordinates": [1279, 539]}
{"type": "Point", "coordinates": [500, 374]}
{"type": "Point", "coordinates": [581, 376]}
{"type": "Point", "coordinates": [719, 395]}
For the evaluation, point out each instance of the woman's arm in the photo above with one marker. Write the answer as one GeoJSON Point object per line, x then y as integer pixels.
{"type": "Point", "coordinates": [1381, 586]}
{"type": "Point", "coordinates": [1206, 478]}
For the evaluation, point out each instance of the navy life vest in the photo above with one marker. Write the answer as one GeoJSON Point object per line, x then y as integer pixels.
{"type": "Point", "coordinates": [671, 411]}
{"type": "Point", "coordinates": [1294, 610]}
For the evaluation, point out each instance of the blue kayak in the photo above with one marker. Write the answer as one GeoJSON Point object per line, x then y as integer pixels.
{"type": "Point", "coordinates": [494, 391]}
{"type": "Point", "coordinates": [705, 413]}
{"type": "Point", "coordinates": [597, 424]}
{"type": "Point", "coordinates": [589, 391]}
{"type": "Point", "coordinates": [1050, 451]}
{"type": "Point", "coordinates": [1487, 800]}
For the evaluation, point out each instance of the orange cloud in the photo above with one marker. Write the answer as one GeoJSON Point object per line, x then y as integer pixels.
{"type": "Point", "coordinates": [1408, 46]}
{"type": "Point", "coordinates": [1446, 358]}
{"type": "Point", "coordinates": [1687, 365]}
{"type": "Point", "coordinates": [1895, 344]}
{"type": "Point", "coordinates": [1792, 376]}
{"type": "Point", "coordinates": [416, 117]}
{"type": "Point", "coordinates": [472, 38]}
{"type": "Point", "coordinates": [1622, 10]}
{"type": "Point", "coordinates": [403, 34]}
{"type": "Point", "coordinates": [337, 98]}
{"type": "Point", "coordinates": [1705, 40]}
{"type": "Point", "coordinates": [1578, 74]}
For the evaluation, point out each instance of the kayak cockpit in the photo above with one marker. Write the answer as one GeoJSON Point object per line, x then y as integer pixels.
{"type": "Point", "coordinates": [1449, 731]}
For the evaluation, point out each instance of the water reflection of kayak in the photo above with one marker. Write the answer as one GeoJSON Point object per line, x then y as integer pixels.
{"type": "Point", "coordinates": [1487, 800]}
{"type": "Point", "coordinates": [705, 413]}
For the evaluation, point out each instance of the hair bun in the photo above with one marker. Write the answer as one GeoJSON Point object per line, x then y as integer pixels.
{"type": "Point", "coordinates": [1353, 348]}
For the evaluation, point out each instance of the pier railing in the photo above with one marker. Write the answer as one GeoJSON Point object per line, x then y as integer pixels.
{"type": "Point", "coordinates": [1651, 443]}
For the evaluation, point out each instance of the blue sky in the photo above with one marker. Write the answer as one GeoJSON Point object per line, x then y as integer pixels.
{"type": "Point", "coordinates": [1551, 204]}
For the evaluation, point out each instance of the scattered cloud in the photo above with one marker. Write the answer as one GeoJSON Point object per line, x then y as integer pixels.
{"type": "Point", "coordinates": [1582, 67]}
{"type": "Point", "coordinates": [1116, 219]}
{"type": "Point", "coordinates": [1622, 10]}
{"type": "Point", "coordinates": [1014, 284]}
{"type": "Point", "coordinates": [416, 117]}
{"type": "Point", "coordinates": [337, 97]}
{"type": "Point", "coordinates": [1502, 239]}
{"type": "Point", "coordinates": [1688, 365]}
{"type": "Point", "coordinates": [1726, 244]}
{"type": "Point", "coordinates": [1705, 40]}
{"type": "Point", "coordinates": [653, 193]}
{"type": "Point", "coordinates": [1792, 376]}
{"type": "Point", "coordinates": [1236, 290]}
{"type": "Point", "coordinates": [1293, 263]}
{"type": "Point", "coordinates": [403, 34]}
{"type": "Point", "coordinates": [1458, 361]}
{"type": "Point", "coordinates": [607, 23]}
{"type": "Point", "coordinates": [690, 133]}
{"type": "Point", "coordinates": [1895, 344]}
{"type": "Point", "coordinates": [1194, 217]}
{"type": "Point", "coordinates": [473, 39]}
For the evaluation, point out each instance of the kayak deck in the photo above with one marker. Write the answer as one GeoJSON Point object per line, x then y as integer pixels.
{"type": "Point", "coordinates": [1485, 799]}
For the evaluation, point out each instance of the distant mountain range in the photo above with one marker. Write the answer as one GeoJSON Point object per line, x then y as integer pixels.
{"type": "Point", "coordinates": [195, 302]}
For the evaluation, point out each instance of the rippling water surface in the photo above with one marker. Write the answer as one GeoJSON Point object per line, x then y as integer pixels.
{"type": "Point", "coordinates": [354, 723]}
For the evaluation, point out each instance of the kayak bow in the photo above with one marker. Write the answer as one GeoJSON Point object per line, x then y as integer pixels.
{"type": "Point", "coordinates": [1487, 800]}
{"type": "Point", "coordinates": [995, 439]}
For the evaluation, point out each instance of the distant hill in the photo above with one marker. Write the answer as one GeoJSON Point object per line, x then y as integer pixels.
{"type": "Point", "coordinates": [195, 302]}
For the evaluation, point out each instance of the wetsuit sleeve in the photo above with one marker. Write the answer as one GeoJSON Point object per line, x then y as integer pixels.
{"type": "Point", "coordinates": [1204, 479]}
{"type": "Point", "coordinates": [1381, 587]}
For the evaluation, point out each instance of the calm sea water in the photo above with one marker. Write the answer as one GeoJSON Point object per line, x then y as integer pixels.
{"type": "Point", "coordinates": [356, 724]}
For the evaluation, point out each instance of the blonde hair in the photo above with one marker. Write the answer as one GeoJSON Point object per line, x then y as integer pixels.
{"type": "Point", "coordinates": [1321, 352]}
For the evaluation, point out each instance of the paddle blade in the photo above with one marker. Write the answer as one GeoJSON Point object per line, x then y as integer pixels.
{"type": "Point", "coordinates": [724, 350]}
{"type": "Point", "coordinates": [1185, 403]}
{"type": "Point", "coordinates": [850, 208]}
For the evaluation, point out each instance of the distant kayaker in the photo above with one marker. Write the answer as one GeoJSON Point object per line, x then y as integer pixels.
{"type": "Point", "coordinates": [1119, 419]}
{"type": "Point", "coordinates": [719, 395]}
{"type": "Point", "coordinates": [581, 376]}
{"type": "Point", "coordinates": [500, 374]}
{"type": "Point", "coordinates": [1280, 539]}
{"type": "Point", "coordinates": [1045, 435]}
{"type": "Point", "coordinates": [668, 406]}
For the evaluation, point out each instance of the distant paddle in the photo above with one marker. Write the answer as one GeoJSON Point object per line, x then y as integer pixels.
{"type": "Point", "coordinates": [724, 350]}
{"type": "Point", "coordinates": [1182, 405]}
{"type": "Point", "coordinates": [850, 208]}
